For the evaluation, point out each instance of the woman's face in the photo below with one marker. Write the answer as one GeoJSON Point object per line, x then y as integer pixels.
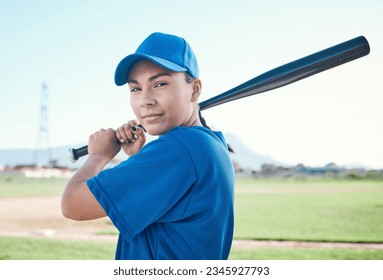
{"type": "Point", "coordinates": [162, 99]}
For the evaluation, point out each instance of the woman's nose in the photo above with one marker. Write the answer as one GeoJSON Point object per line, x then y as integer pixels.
{"type": "Point", "coordinates": [147, 99]}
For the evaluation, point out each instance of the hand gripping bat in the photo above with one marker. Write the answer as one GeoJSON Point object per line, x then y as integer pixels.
{"type": "Point", "coordinates": [280, 76]}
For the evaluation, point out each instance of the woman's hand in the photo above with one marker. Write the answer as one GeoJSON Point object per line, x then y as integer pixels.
{"type": "Point", "coordinates": [131, 136]}
{"type": "Point", "coordinates": [103, 144]}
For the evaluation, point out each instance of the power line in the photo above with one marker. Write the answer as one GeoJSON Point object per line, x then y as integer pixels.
{"type": "Point", "coordinates": [43, 145]}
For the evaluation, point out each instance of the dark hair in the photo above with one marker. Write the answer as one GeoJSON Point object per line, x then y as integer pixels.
{"type": "Point", "coordinates": [189, 80]}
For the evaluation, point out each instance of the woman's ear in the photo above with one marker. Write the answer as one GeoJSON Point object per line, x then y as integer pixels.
{"type": "Point", "coordinates": [197, 88]}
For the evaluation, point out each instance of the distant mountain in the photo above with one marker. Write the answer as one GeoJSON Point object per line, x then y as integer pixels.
{"type": "Point", "coordinates": [13, 157]}
{"type": "Point", "coordinates": [246, 158]}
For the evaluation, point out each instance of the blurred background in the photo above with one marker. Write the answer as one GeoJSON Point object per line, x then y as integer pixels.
{"type": "Point", "coordinates": [309, 155]}
{"type": "Point", "coordinates": [62, 56]}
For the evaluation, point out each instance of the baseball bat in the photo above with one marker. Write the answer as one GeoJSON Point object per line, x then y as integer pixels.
{"type": "Point", "coordinates": [280, 76]}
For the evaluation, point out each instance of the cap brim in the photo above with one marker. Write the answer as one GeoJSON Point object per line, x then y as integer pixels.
{"type": "Point", "coordinates": [121, 75]}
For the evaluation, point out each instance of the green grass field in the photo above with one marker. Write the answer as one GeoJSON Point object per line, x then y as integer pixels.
{"type": "Point", "coordinates": [320, 210]}
{"type": "Point", "coordinates": [21, 248]}
{"type": "Point", "coordinates": [16, 248]}
{"type": "Point", "coordinates": [20, 186]}
{"type": "Point", "coordinates": [302, 210]}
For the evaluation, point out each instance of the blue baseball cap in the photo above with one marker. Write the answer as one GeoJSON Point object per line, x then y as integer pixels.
{"type": "Point", "coordinates": [168, 51]}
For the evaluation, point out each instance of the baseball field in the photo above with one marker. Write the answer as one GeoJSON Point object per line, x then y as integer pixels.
{"type": "Point", "coordinates": [276, 219]}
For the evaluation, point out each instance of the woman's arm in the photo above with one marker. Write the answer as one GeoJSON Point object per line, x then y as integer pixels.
{"type": "Point", "coordinates": [78, 202]}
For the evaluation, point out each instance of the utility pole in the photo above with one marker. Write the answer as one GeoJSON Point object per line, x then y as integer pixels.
{"type": "Point", "coordinates": [43, 145]}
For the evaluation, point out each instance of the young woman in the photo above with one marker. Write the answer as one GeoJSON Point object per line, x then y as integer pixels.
{"type": "Point", "coordinates": [173, 197]}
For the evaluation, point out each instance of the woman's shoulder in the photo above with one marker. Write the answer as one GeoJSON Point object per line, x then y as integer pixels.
{"type": "Point", "coordinates": [196, 135]}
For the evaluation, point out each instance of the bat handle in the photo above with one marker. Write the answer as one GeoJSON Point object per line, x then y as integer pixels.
{"type": "Point", "coordinates": [75, 154]}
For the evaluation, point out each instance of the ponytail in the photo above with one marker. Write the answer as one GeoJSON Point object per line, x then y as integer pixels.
{"type": "Point", "coordinates": [203, 122]}
{"type": "Point", "coordinates": [189, 79]}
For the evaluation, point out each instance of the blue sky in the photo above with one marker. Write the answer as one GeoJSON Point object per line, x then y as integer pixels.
{"type": "Point", "coordinates": [75, 46]}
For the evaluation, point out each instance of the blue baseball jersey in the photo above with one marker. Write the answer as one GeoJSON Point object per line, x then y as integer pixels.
{"type": "Point", "coordinates": [172, 200]}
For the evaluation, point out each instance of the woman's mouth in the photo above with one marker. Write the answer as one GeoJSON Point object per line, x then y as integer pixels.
{"type": "Point", "coordinates": [150, 118]}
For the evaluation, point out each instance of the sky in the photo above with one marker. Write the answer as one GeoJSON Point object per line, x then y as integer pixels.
{"type": "Point", "coordinates": [74, 47]}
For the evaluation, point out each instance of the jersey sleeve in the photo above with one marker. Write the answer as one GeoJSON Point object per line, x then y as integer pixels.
{"type": "Point", "coordinates": [154, 185]}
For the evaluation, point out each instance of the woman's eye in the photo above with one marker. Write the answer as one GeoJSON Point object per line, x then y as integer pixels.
{"type": "Point", "coordinates": [160, 84]}
{"type": "Point", "coordinates": [134, 89]}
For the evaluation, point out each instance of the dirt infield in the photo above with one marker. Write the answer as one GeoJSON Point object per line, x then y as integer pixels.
{"type": "Point", "coordinates": [41, 217]}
